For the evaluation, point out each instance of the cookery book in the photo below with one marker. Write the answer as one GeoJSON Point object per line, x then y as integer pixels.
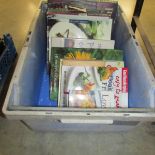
{"type": "Point", "coordinates": [109, 55]}
{"type": "Point", "coordinates": [77, 26]}
{"type": "Point", "coordinates": [79, 43]}
{"type": "Point", "coordinates": [82, 43]}
{"type": "Point", "coordinates": [92, 84]}
{"type": "Point", "coordinates": [69, 26]}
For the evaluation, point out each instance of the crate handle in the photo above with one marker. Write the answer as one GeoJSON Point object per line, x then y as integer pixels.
{"type": "Point", "coordinates": [85, 121]}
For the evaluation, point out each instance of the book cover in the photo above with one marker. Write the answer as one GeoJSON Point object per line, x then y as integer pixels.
{"type": "Point", "coordinates": [64, 8]}
{"type": "Point", "coordinates": [92, 85]}
{"type": "Point", "coordinates": [93, 8]}
{"type": "Point", "coordinates": [102, 8]}
{"type": "Point", "coordinates": [64, 11]}
{"type": "Point", "coordinates": [82, 43]}
{"type": "Point", "coordinates": [76, 26]}
{"type": "Point", "coordinates": [71, 26]}
{"type": "Point", "coordinates": [113, 57]}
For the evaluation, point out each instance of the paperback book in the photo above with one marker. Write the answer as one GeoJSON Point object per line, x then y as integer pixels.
{"type": "Point", "coordinates": [104, 8]}
{"type": "Point", "coordinates": [93, 8]}
{"type": "Point", "coordinates": [82, 43]}
{"type": "Point", "coordinates": [109, 55]}
{"type": "Point", "coordinates": [92, 84]}
{"type": "Point", "coordinates": [77, 27]}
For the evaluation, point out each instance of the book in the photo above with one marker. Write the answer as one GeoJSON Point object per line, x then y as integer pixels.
{"type": "Point", "coordinates": [93, 8]}
{"type": "Point", "coordinates": [109, 55]}
{"type": "Point", "coordinates": [79, 43]}
{"type": "Point", "coordinates": [64, 11]}
{"type": "Point", "coordinates": [82, 43]}
{"type": "Point", "coordinates": [90, 84]}
{"type": "Point", "coordinates": [64, 8]}
{"type": "Point", "coordinates": [104, 8]}
{"type": "Point", "coordinates": [82, 27]}
{"type": "Point", "coordinates": [76, 26]}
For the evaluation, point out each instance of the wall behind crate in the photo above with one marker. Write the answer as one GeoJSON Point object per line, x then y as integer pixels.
{"type": "Point", "coordinates": [15, 23]}
{"type": "Point", "coordinates": [128, 7]}
{"type": "Point", "coordinates": [20, 25]}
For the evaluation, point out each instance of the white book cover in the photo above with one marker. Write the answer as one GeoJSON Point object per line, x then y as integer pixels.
{"type": "Point", "coordinates": [89, 84]}
{"type": "Point", "coordinates": [76, 17]}
{"type": "Point", "coordinates": [82, 43]}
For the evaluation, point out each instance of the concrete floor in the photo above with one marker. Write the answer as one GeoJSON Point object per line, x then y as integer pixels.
{"type": "Point", "coordinates": [15, 138]}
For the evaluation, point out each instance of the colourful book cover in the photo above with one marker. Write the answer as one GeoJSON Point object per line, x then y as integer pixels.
{"type": "Point", "coordinates": [77, 27]}
{"type": "Point", "coordinates": [92, 85]}
{"type": "Point", "coordinates": [102, 8]}
{"type": "Point", "coordinates": [95, 8]}
{"type": "Point", "coordinates": [78, 54]}
{"type": "Point", "coordinates": [63, 11]}
{"type": "Point", "coordinates": [64, 8]}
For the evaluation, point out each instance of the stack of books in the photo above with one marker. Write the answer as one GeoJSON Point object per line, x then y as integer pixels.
{"type": "Point", "coordinates": [85, 69]}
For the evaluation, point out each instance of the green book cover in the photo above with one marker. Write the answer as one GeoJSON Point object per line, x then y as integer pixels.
{"type": "Point", "coordinates": [77, 54]}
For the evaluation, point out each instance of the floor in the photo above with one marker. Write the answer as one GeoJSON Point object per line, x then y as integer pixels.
{"type": "Point", "coordinates": [15, 138]}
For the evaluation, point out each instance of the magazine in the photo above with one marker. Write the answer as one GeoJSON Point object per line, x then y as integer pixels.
{"type": "Point", "coordinates": [92, 85]}
{"type": "Point", "coordinates": [109, 55]}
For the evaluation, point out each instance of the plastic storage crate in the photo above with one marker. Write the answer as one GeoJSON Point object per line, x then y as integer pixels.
{"type": "Point", "coordinates": [25, 92]}
{"type": "Point", "coordinates": [6, 59]}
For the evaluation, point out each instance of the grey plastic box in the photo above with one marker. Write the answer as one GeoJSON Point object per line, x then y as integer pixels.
{"type": "Point", "coordinates": [25, 85]}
